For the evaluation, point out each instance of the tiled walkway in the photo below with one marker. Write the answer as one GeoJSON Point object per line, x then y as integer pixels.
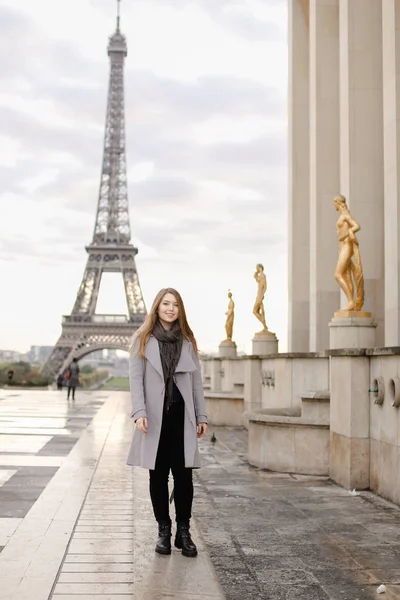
{"type": "Point", "coordinates": [91, 533]}
{"type": "Point", "coordinates": [85, 528]}
{"type": "Point", "coordinates": [111, 553]}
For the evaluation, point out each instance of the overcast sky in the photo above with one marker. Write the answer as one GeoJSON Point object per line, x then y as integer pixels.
{"type": "Point", "coordinates": [206, 128]}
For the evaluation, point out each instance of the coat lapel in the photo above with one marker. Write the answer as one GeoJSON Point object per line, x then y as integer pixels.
{"type": "Point", "coordinates": [186, 363]}
{"type": "Point", "coordinates": [152, 353]}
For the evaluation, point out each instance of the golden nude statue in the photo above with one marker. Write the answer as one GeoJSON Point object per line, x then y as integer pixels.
{"type": "Point", "coordinates": [258, 310]}
{"type": "Point", "coordinates": [349, 272]}
{"type": "Point", "coordinates": [230, 316]}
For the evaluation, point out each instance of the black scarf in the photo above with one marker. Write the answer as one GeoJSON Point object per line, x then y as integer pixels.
{"type": "Point", "coordinates": [170, 343]}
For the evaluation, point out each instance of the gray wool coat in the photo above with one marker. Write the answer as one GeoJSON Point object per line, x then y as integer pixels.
{"type": "Point", "coordinates": [147, 395]}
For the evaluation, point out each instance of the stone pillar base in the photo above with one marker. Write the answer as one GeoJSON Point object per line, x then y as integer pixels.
{"type": "Point", "coordinates": [227, 349]}
{"type": "Point", "coordinates": [350, 421]}
{"type": "Point", "coordinates": [351, 329]}
{"type": "Point", "coordinates": [264, 343]}
{"type": "Point", "coordinates": [349, 461]}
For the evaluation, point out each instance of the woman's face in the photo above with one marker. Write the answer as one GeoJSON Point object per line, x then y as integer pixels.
{"type": "Point", "coordinates": [168, 310]}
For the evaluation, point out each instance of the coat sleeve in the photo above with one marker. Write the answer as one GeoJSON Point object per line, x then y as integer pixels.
{"type": "Point", "coordinates": [136, 372]}
{"type": "Point", "coordinates": [198, 392]}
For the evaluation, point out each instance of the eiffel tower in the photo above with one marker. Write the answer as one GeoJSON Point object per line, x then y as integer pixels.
{"type": "Point", "coordinates": [84, 331]}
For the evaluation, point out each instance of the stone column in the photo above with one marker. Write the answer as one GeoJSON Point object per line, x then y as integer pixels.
{"type": "Point", "coordinates": [324, 166]}
{"type": "Point", "coordinates": [361, 140]}
{"type": "Point", "coordinates": [349, 420]}
{"type": "Point", "coordinates": [391, 119]}
{"type": "Point", "coordinates": [299, 231]}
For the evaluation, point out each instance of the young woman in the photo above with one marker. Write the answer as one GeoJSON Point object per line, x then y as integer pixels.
{"type": "Point", "coordinates": [169, 411]}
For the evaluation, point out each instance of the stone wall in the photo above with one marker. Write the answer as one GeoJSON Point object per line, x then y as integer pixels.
{"type": "Point", "coordinates": [286, 376]}
{"type": "Point", "coordinates": [384, 420]}
{"type": "Point", "coordinates": [356, 443]}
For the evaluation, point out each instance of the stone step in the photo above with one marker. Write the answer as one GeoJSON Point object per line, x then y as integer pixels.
{"type": "Point", "coordinates": [288, 443]}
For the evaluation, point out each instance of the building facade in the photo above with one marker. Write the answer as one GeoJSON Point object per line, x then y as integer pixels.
{"type": "Point", "coordinates": [344, 131]}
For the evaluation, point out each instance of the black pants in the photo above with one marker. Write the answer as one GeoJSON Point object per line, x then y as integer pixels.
{"type": "Point", "coordinates": [73, 392]}
{"type": "Point", "coordinates": [171, 456]}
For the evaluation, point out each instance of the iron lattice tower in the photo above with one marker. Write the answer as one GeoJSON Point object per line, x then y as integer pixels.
{"type": "Point", "coordinates": [110, 250]}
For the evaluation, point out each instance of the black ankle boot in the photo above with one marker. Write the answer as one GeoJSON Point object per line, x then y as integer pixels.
{"type": "Point", "coordinates": [163, 545]}
{"type": "Point", "coordinates": [184, 541]}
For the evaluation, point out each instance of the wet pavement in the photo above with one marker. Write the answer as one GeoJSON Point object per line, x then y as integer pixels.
{"type": "Point", "coordinates": [76, 522]}
{"type": "Point", "coordinates": [37, 430]}
{"type": "Point", "coordinates": [283, 537]}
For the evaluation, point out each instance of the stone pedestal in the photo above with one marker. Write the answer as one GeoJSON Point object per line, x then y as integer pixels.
{"type": "Point", "coordinates": [227, 349]}
{"type": "Point", "coordinates": [352, 329]}
{"type": "Point", "coordinates": [264, 343]}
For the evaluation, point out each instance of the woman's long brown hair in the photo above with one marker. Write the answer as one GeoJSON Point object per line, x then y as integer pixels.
{"type": "Point", "coordinates": [144, 332]}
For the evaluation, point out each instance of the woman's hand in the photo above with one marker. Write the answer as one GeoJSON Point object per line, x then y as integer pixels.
{"type": "Point", "coordinates": [201, 430]}
{"type": "Point", "coordinates": [142, 425]}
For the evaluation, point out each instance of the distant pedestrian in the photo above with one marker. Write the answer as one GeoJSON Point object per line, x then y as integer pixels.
{"type": "Point", "coordinates": [10, 374]}
{"type": "Point", "coordinates": [60, 381]}
{"type": "Point", "coordinates": [73, 379]}
{"type": "Point", "coordinates": [169, 411]}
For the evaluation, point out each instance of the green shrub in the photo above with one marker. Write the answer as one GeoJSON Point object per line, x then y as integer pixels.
{"type": "Point", "coordinates": [24, 374]}
{"type": "Point", "coordinates": [87, 380]}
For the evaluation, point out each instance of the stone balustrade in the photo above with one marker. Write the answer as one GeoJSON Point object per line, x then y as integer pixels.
{"type": "Point", "coordinates": [350, 431]}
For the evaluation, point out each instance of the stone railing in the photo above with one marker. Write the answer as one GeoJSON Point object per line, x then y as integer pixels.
{"type": "Point", "coordinates": [276, 381]}
{"type": "Point", "coordinates": [335, 413]}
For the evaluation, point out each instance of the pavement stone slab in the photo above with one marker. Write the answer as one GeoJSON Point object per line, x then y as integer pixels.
{"type": "Point", "coordinates": [280, 536]}
{"type": "Point", "coordinates": [78, 524]}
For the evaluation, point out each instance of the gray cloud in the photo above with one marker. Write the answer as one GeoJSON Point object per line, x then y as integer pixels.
{"type": "Point", "coordinates": [239, 163]}
{"type": "Point", "coordinates": [161, 189]}
{"type": "Point", "coordinates": [181, 164]}
{"type": "Point", "coordinates": [42, 137]}
{"type": "Point", "coordinates": [204, 98]}
{"type": "Point", "coordinates": [17, 28]}
{"type": "Point", "coordinates": [266, 150]}
{"type": "Point", "coordinates": [169, 235]}
{"type": "Point", "coordinates": [17, 246]}
{"type": "Point", "coordinates": [247, 25]}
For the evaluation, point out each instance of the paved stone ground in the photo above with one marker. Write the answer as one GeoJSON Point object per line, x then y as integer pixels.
{"type": "Point", "coordinates": [37, 430]}
{"type": "Point", "coordinates": [91, 532]}
{"type": "Point", "coordinates": [77, 523]}
{"type": "Point", "coordinates": [284, 537]}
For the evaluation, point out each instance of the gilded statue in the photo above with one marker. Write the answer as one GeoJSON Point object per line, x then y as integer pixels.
{"type": "Point", "coordinates": [349, 272]}
{"type": "Point", "coordinates": [258, 310]}
{"type": "Point", "coordinates": [230, 316]}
